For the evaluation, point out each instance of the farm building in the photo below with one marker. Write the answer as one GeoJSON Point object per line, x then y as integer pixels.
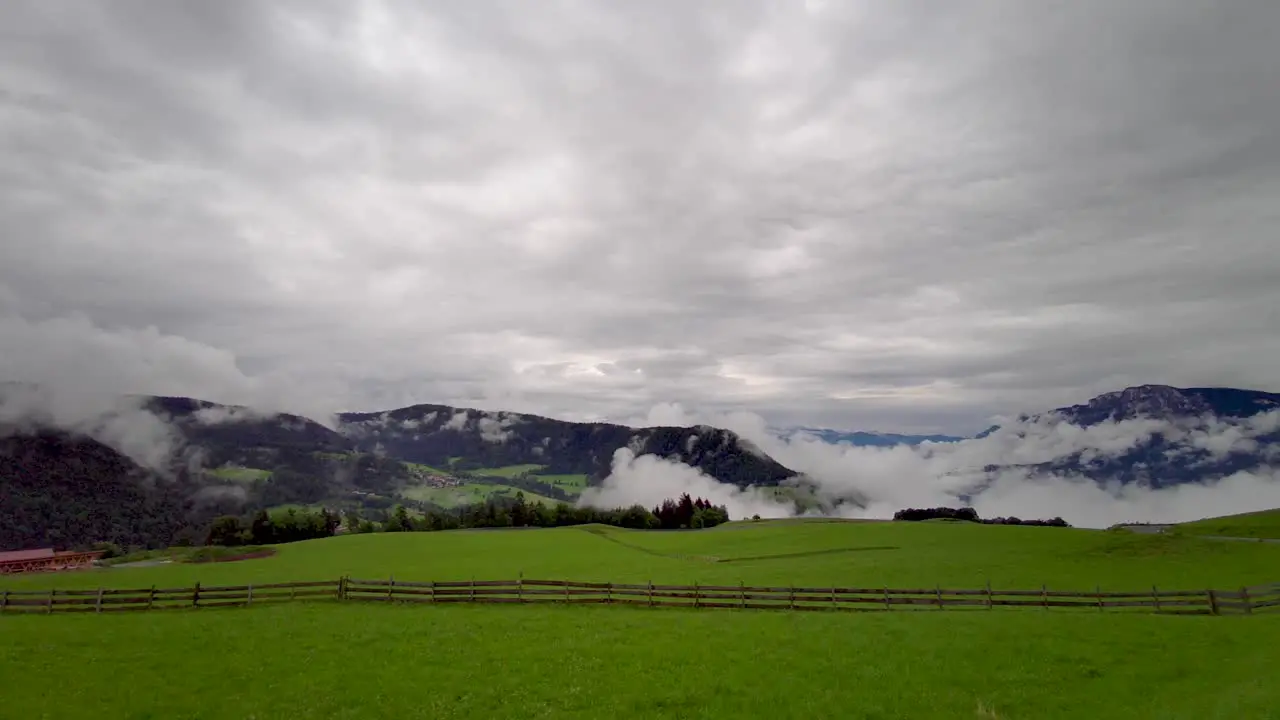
{"type": "Point", "coordinates": [45, 560]}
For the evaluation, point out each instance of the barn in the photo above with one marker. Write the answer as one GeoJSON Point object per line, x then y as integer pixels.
{"type": "Point", "coordinates": [45, 560]}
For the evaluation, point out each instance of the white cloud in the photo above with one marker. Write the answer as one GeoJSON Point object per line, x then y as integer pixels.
{"type": "Point", "coordinates": [648, 480]}
{"type": "Point", "coordinates": [937, 474]}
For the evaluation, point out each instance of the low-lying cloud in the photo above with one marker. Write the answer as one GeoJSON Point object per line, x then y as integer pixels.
{"type": "Point", "coordinates": [877, 481]}
{"type": "Point", "coordinates": [119, 422]}
{"type": "Point", "coordinates": [649, 479]}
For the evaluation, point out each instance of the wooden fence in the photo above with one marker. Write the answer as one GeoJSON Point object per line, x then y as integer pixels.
{"type": "Point", "coordinates": [1246, 600]}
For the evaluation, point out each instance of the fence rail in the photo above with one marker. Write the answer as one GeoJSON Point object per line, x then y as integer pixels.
{"type": "Point", "coordinates": [1246, 600]}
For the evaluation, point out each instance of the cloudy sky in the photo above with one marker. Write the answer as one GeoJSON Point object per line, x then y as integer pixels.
{"type": "Point", "coordinates": [900, 215]}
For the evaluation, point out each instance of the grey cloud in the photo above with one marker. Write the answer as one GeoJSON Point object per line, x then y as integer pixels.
{"type": "Point", "coordinates": [900, 217]}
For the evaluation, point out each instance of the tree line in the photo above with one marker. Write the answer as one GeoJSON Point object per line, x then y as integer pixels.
{"type": "Point", "coordinates": [968, 514]}
{"type": "Point", "coordinates": [263, 528]}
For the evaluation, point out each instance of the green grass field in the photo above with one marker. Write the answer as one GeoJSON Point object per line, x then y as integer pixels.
{"type": "Point", "coordinates": [573, 484]}
{"type": "Point", "coordinates": [508, 471]}
{"type": "Point", "coordinates": [468, 493]}
{"type": "Point", "coordinates": [425, 468]}
{"type": "Point", "coordinates": [1265, 524]}
{"type": "Point", "coordinates": [345, 660]}
{"type": "Point", "coordinates": [240, 474]}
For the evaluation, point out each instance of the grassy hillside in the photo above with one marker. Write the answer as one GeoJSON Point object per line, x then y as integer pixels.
{"type": "Point", "coordinates": [332, 660]}
{"type": "Point", "coordinates": [764, 553]}
{"type": "Point", "coordinates": [1264, 524]}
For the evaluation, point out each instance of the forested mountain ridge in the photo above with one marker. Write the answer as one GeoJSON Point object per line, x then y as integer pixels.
{"type": "Point", "coordinates": [463, 438]}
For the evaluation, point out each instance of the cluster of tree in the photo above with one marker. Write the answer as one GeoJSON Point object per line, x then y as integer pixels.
{"type": "Point", "coordinates": [1051, 522]}
{"type": "Point", "coordinates": [970, 515]}
{"type": "Point", "coordinates": [685, 512]}
{"type": "Point", "coordinates": [263, 528]}
{"type": "Point", "coordinates": [688, 512]}
{"type": "Point", "coordinates": [938, 513]}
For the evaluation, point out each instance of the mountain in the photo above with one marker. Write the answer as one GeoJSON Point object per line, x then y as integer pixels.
{"type": "Point", "coordinates": [1162, 402]}
{"type": "Point", "coordinates": [464, 439]}
{"type": "Point", "coordinates": [1162, 436]}
{"type": "Point", "coordinates": [863, 439]}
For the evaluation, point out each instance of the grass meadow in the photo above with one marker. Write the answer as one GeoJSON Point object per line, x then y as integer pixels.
{"type": "Point", "coordinates": [1265, 524]}
{"type": "Point", "coordinates": [351, 660]}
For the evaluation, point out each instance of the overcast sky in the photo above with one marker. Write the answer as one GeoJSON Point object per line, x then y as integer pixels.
{"type": "Point", "coordinates": [899, 216]}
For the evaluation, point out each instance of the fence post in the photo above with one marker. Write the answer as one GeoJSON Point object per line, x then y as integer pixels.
{"type": "Point", "coordinates": [834, 604]}
{"type": "Point", "coordinates": [50, 608]}
{"type": "Point", "coordinates": [608, 593]}
{"type": "Point", "coordinates": [793, 596]}
{"type": "Point", "coordinates": [391, 586]}
{"type": "Point", "coordinates": [151, 598]}
{"type": "Point", "coordinates": [886, 598]}
{"type": "Point", "coordinates": [195, 595]}
{"type": "Point", "coordinates": [520, 587]}
{"type": "Point", "coordinates": [938, 589]}
{"type": "Point", "coordinates": [472, 586]}
{"type": "Point", "coordinates": [1097, 595]}
{"type": "Point", "coordinates": [342, 589]}
{"type": "Point", "coordinates": [97, 606]}
{"type": "Point", "coordinates": [650, 593]}
{"type": "Point", "coordinates": [1044, 596]}
{"type": "Point", "coordinates": [249, 601]}
{"type": "Point", "coordinates": [566, 591]}
{"type": "Point", "coordinates": [1213, 603]}
{"type": "Point", "coordinates": [742, 595]}
{"type": "Point", "coordinates": [697, 601]}
{"type": "Point", "coordinates": [4, 600]}
{"type": "Point", "coordinates": [431, 588]}
{"type": "Point", "coordinates": [1155, 598]}
{"type": "Point", "coordinates": [1248, 605]}
{"type": "Point", "coordinates": [989, 593]}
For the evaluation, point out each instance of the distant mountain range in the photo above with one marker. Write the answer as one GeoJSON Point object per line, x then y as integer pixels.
{"type": "Point", "coordinates": [1172, 436]}
{"type": "Point", "coordinates": [858, 438]}
{"type": "Point", "coordinates": [68, 484]}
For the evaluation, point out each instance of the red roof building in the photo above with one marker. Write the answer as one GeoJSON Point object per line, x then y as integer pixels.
{"type": "Point", "coordinates": [44, 559]}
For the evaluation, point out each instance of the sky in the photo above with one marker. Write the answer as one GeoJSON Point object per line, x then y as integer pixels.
{"type": "Point", "coordinates": [897, 216]}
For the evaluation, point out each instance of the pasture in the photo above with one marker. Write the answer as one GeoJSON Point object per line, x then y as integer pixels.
{"type": "Point", "coordinates": [1264, 524]}
{"type": "Point", "coordinates": [348, 660]}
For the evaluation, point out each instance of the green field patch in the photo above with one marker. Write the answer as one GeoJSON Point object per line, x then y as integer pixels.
{"type": "Point", "coordinates": [569, 483]}
{"type": "Point", "coordinates": [468, 494]}
{"type": "Point", "coordinates": [508, 471]}
{"type": "Point", "coordinates": [239, 474]}
{"type": "Point", "coordinates": [329, 660]}
{"type": "Point", "coordinates": [1262, 524]}
{"type": "Point", "coordinates": [426, 468]}
{"type": "Point", "coordinates": [464, 494]}
{"type": "Point", "coordinates": [529, 497]}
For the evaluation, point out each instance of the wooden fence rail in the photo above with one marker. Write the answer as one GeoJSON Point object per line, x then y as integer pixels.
{"type": "Point", "coordinates": [1247, 600]}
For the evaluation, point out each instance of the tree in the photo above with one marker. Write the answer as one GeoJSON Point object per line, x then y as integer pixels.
{"type": "Point", "coordinates": [399, 520]}
{"type": "Point", "coordinates": [520, 511]}
{"type": "Point", "coordinates": [261, 531]}
{"type": "Point", "coordinates": [225, 531]}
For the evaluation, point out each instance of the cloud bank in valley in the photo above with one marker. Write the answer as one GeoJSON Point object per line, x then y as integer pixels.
{"type": "Point", "coordinates": [885, 480]}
